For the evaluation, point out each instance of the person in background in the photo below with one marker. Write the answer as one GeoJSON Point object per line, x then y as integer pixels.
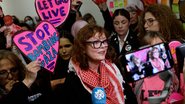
{"type": "Point", "coordinates": [134, 17]}
{"type": "Point", "coordinates": [67, 24]}
{"type": "Point", "coordinates": [10, 29]}
{"type": "Point", "coordinates": [77, 26]}
{"type": "Point", "coordinates": [29, 20]}
{"type": "Point", "coordinates": [17, 80]}
{"type": "Point", "coordinates": [24, 26]}
{"type": "Point", "coordinates": [89, 18]}
{"type": "Point", "coordinates": [15, 20]}
{"type": "Point", "coordinates": [122, 38]}
{"type": "Point", "coordinates": [140, 68]}
{"type": "Point", "coordinates": [182, 11]}
{"type": "Point", "coordinates": [143, 88]}
{"type": "Point", "coordinates": [73, 16]}
{"type": "Point", "coordinates": [137, 70]}
{"type": "Point", "coordinates": [78, 15]}
{"type": "Point", "coordinates": [160, 18]}
{"type": "Point", "coordinates": [60, 72]}
{"type": "Point", "coordinates": [2, 37]}
{"type": "Point", "coordinates": [92, 66]}
{"type": "Point", "coordinates": [156, 60]}
{"type": "Point", "coordinates": [1, 16]}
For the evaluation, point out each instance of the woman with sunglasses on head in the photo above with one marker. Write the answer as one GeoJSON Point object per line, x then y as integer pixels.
{"type": "Point", "coordinates": [92, 66]}
{"type": "Point", "coordinates": [17, 80]}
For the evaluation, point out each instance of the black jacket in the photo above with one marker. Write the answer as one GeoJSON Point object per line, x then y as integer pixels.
{"type": "Point", "coordinates": [75, 93]}
{"type": "Point", "coordinates": [38, 93]}
{"type": "Point", "coordinates": [131, 43]}
{"type": "Point", "coordinates": [20, 94]}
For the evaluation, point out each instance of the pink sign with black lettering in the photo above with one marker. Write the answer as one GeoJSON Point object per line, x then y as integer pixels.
{"type": "Point", "coordinates": [41, 45]}
{"type": "Point", "coordinates": [54, 11]}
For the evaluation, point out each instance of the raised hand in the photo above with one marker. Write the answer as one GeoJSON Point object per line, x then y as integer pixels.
{"type": "Point", "coordinates": [31, 73]}
{"type": "Point", "coordinates": [10, 84]}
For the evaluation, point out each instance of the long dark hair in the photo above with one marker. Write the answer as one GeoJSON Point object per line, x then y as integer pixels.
{"type": "Point", "coordinates": [66, 34]}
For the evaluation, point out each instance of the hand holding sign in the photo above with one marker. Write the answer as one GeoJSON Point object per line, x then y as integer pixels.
{"type": "Point", "coordinates": [41, 45]}
{"type": "Point", "coordinates": [54, 11]}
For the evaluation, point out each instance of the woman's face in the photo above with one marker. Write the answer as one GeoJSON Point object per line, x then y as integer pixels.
{"type": "Point", "coordinates": [151, 23]}
{"type": "Point", "coordinates": [28, 21]}
{"type": "Point", "coordinates": [156, 53]}
{"type": "Point", "coordinates": [133, 17]}
{"type": "Point", "coordinates": [121, 25]}
{"type": "Point", "coordinates": [8, 73]}
{"type": "Point", "coordinates": [137, 60]}
{"type": "Point", "coordinates": [97, 53]}
{"type": "Point", "coordinates": [65, 48]}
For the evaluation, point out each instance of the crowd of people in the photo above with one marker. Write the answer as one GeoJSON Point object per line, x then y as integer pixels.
{"type": "Point", "coordinates": [92, 56]}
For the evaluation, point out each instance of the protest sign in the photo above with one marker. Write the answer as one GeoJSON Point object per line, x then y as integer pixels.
{"type": "Point", "coordinates": [41, 45]}
{"type": "Point", "coordinates": [54, 11]}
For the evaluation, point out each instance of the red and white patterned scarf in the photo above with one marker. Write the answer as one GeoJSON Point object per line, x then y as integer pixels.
{"type": "Point", "coordinates": [107, 79]}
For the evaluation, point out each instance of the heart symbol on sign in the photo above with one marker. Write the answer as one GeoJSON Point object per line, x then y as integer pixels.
{"type": "Point", "coordinates": [54, 11]}
{"type": "Point", "coordinates": [41, 45]}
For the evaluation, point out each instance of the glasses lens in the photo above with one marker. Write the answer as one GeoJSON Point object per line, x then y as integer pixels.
{"type": "Point", "coordinates": [149, 21]}
{"type": "Point", "coordinates": [3, 74]}
{"type": "Point", "coordinates": [105, 42]}
{"type": "Point", "coordinates": [13, 70]}
{"type": "Point", "coordinates": [97, 44]}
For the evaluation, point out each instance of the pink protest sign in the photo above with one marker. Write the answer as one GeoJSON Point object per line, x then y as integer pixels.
{"type": "Point", "coordinates": [173, 45]}
{"type": "Point", "coordinates": [54, 11]}
{"type": "Point", "coordinates": [41, 45]}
